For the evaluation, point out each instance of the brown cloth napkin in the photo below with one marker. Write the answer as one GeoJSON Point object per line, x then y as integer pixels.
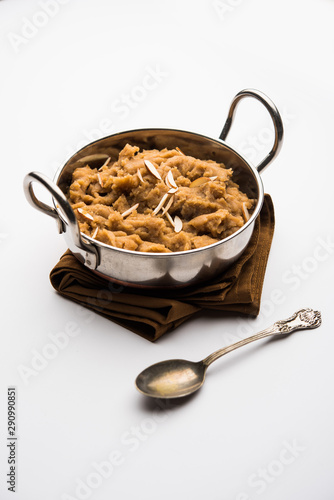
{"type": "Point", "coordinates": [153, 313]}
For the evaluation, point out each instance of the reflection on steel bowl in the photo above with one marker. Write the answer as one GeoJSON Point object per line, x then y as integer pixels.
{"type": "Point", "coordinates": [159, 268]}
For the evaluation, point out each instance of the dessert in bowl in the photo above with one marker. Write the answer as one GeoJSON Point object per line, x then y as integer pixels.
{"type": "Point", "coordinates": [135, 242]}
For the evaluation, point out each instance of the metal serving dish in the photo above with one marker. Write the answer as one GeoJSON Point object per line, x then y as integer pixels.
{"type": "Point", "coordinates": [159, 269]}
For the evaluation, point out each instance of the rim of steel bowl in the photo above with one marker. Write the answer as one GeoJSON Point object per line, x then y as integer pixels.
{"type": "Point", "coordinates": [255, 171]}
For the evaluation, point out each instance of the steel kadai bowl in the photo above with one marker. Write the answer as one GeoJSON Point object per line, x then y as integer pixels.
{"type": "Point", "coordinates": [149, 270]}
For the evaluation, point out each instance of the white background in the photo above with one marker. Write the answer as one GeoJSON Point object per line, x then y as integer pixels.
{"type": "Point", "coordinates": [262, 426]}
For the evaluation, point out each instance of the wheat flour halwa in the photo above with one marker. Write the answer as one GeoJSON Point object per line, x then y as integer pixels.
{"type": "Point", "coordinates": [158, 201]}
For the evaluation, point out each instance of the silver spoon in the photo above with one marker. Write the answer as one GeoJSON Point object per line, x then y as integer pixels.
{"type": "Point", "coordinates": [175, 378]}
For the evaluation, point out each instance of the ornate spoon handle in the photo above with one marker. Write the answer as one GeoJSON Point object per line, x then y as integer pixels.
{"type": "Point", "coordinates": [300, 320]}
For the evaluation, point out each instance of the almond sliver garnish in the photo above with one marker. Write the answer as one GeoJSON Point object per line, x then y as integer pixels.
{"type": "Point", "coordinates": [100, 180]}
{"type": "Point", "coordinates": [95, 232]}
{"type": "Point", "coordinates": [245, 212]}
{"type": "Point", "coordinates": [85, 214]}
{"type": "Point", "coordinates": [105, 163]}
{"type": "Point", "coordinates": [131, 209]}
{"type": "Point", "coordinates": [170, 219]}
{"type": "Point", "coordinates": [161, 204]}
{"type": "Point", "coordinates": [139, 175]}
{"type": "Point", "coordinates": [213, 178]}
{"type": "Point", "coordinates": [179, 150]}
{"type": "Point", "coordinates": [169, 204]}
{"type": "Point", "coordinates": [172, 190]}
{"type": "Point", "coordinates": [199, 181]}
{"type": "Point", "coordinates": [152, 169]}
{"type": "Point", "coordinates": [170, 180]}
{"type": "Point", "coordinates": [177, 224]}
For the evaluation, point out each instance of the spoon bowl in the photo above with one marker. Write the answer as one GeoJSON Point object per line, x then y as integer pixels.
{"type": "Point", "coordinates": [176, 378]}
{"type": "Point", "coordinates": [173, 378]}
